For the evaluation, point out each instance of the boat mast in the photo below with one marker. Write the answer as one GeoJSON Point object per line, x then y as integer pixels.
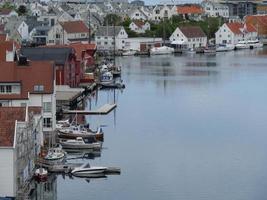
{"type": "Point", "coordinates": [114, 40]}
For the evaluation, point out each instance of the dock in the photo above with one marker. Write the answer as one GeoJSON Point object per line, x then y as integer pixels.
{"type": "Point", "coordinates": [103, 110]}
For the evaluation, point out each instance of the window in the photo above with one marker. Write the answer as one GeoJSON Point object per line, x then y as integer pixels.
{"type": "Point", "coordinates": [57, 35]}
{"type": "Point", "coordinates": [82, 34]}
{"type": "Point", "coordinates": [47, 106]}
{"type": "Point", "coordinates": [2, 89]}
{"type": "Point", "coordinates": [106, 43]}
{"type": "Point", "coordinates": [23, 105]}
{"type": "Point", "coordinates": [47, 123]}
{"type": "Point", "coordinates": [38, 88]}
{"type": "Point", "coordinates": [157, 12]}
{"type": "Point", "coordinates": [8, 89]}
{"type": "Point", "coordinates": [5, 89]}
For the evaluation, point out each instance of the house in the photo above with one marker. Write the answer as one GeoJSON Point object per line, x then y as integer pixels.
{"type": "Point", "coordinates": [142, 44]}
{"type": "Point", "coordinates": [161, 12]}
{"type": "Point", "coordinates": [193, 12]}
{"type": "Point", "coordinates": [138, 14]}
{"type": "Point", "coordinates": [6, 13]}
{"type": "Point", "coordinates": [64, 59]}
{"type": "Point", "coordinates": [104, 37]}
{"type": "Point", "coordinates": [8, 51]}
{"type": "Point", "coordinates": [190, 36]}
{"type": "Point", "coordinates": [232, 33]}
{"type": "Point", "coordinates": [68, 32]}
{"type": "Point", "coordinates": [30, 83]}
{"type": "Point", "coordinates": [262, 9]}
{"type": "Point", "coordinates": [20, 142]}
{"type": "Point", "coordinates": [139, 26]}
{"type": "Point", "coordinates": [214, 9]}
{"type": "Point", "coordinates": [259, 22]}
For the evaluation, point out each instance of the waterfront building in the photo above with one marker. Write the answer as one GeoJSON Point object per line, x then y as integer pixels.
{"type": "Point", "coordinates": [190, 36]}
{"type": "Point", "coordinates": [104, 37]}
{"type": "Point", "coordinates": [260, 23]}
{"type": "Point", "coordinates": [30, 83]}
{"type": "Point", "coordinates": [232, 33]}
{"type": "Point", "coordinates": [193, 12]}
{"type": "Point", "coordinates": [139, 26]}
{"type": "Point", "coordinates": [20, 142]}
{"type": "Point", "coordinates": [213, 9]}
{"type": "Point", "coordinates": [142, 44]}
{"type": "Point", "coordinates": [67, 32]}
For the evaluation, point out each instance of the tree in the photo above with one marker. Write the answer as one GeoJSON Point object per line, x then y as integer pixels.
{"type": "Point", "coordinates": [112, 19]}
{"type": "Point", "coordinates": [22, 10]}
{"type": "Point", "coordinates": [8, 5]}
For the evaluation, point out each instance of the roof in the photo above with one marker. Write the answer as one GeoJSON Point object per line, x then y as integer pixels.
{"type": "Point", "coordinates": [35, 73]}
{"type": "Point", "coordinates": [3, 37]}
{"type": "Point", "coordinates": [74, 27]}
{"type": "Point", "coordinates": [191, 9]}
{"type": "Point", "coordinates": [139, 23]}
{"type": "Point", "coordinates": [237, 28]}
{"type": "Point", "coordinates": [59, 55]}
{"type": "Point", "coordinates": [192, 31]}
{"type": "Point", "coordinates": [5, 11]}
{"type": "Point", "coordinates": [5, 46]}
{"type": "Point", "coordinates": [8, 117]}
{"type": "Point", "coordinates": [108, 30]}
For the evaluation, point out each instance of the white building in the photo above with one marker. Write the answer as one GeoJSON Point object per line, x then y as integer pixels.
{"type": "Point", "coordinates": [192, 37]}
{"type": "Point", "coordinates": [213, 9]}
{"type": "Point", "coordinates": [138, 14]}
{"type": "Point", "coordinates": [161, 12]}
{"type": "Point", "coordinates": [232, 33]}
{"type": "Point", "coordinates": [6, 13]}
{"type": "Point", "coordinates": [104, 37]}
{"type": "Point", "coordinates": [139, 26]}
{"type": "Point", "coordinates": [19, 146]}
{"type": "Point", "coordinates": [142, 44]}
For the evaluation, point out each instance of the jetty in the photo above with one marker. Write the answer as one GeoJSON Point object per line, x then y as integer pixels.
{"type": "Point", "coordinates": [103, 110]}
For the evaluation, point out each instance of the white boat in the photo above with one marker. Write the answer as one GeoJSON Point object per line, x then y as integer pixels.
{"type": "Point", "coordinates": [254, 44]}
{"type": "Point", "coordinates": [79, 143]}
{"type": "Point", "coordinates": [242, 45]}
{"type": "Point", "coordinates": [106, 78]}
{"type": "Point", "coordinates": [225, 47]}
{"type": "Point", "coordinates": [55, 155]}
{"type": "Point", "coordinates": [62, 124]}
{"type": "Point", "coordinates": [130, 52]}
{"type": "Point", "coordinates": [161, 50]}
{"type": "Point", "coordinates": [41, 174]}
{"type": "Point", "coordinates": [86, 170]}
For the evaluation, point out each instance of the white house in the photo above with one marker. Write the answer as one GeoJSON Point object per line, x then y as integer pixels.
{"type": "Point", "coordinates": [138, 14]}
{"type": "Point", "coordinates": [104, 37]}
{"type": "Point", "coordinates": [214, 9]}
{"type": "Point", "coordinates": [142, 44]}
{"type": "Point", "coordinates": [17, 29]}
{"type": "Point", "coordinates": [232, 33]}
{"type": "Point", "coordinates": [20, 142]}
{"type": "Point", "coordinates": [139, 26]}
{"type": "Point", "coordinates": [30, 83]}
{"type": "Point", "coordinates": [191, 36]}
{"type": "Point", "coordinates": [67, 32]}
{"type": "Point", "coordinates": [161, 12]}
{"type": "Point", "coordinates": [8, 51]}
{"type": "Point", "coordinates": [6, 13]}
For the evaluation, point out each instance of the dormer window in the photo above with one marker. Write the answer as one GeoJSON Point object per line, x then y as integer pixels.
{"type": "Point", "coordinates": [6, 89]}
{"type": "Point", "coordinates": [38, 88]}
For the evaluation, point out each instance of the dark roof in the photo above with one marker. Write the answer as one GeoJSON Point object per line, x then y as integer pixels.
{"type": "Point", "coordinates": [74, 27]}
{"type": "Point", "coordinates": [108, 30]}
{"type": "Point", "coordinates": [192, 31]}
{"type": "Point", "coordinates": [32, 22]}
{"type": "Point", "coordinates": [58, 55]}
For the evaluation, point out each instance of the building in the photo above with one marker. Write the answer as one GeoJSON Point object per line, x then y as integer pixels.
{"type": "Point", "coordinates": [68, 32]}
{"type": "Point", "coordinates": [214, 9]}
{"type": "Point", "coordinates": [161, 12]}
{"type": "Point", "coordinates": [29, 83]}
{"type": "Point", "coordinates": [260, 23]}
{"type": "Point", "coordinates": [104, 37]}
{"type": "Point", "coordinates": [138, 14]}
{"type": "Point", "coordinates": [232, 33]}
{"type": "Point", "coordinates": [6, 13]}
{"type": "Point", "coordinates": [191, 37]}
{"type": "Point", "coordinates": [142, 44]}
{"type": "Point", "coordinates": [193, 12]}
{"type": "Point", "coordinates": [8, 52]}
{"type": "Point", "coordinates": [139, 26]}
{"type": "Point", "coordinates": [20, 142]}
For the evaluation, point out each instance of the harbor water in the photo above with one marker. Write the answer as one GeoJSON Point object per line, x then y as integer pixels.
{"type": "Point", "coordinates": [186, 127]}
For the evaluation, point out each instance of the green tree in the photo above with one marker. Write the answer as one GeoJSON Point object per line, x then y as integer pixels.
{"type": "Point", "coordinates": [112, 19]}
{"type": "Point", "coordinates": [8, 5]}
{"type": "Point", "coordinates": [22, 10]}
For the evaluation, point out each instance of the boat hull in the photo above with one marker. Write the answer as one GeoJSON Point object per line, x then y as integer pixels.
{"type": "Point", "coordinates": [65, 145]}
{"type": "Point", "coordinates": [96, 137]}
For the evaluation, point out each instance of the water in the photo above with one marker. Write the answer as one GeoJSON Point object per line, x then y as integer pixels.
{"type": "Point", "coordinates": [186, 127]}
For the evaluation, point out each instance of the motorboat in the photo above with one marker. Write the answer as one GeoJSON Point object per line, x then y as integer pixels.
{"type": "Point", "coordinates": [106, 78]}
{"type": "Point", "coordinates": [254, 44]}
{"type": "Point", "coordinates": [86, 170]}
{"type": "Point", "coordinates": [242, 45]}
{"type": "Point", "coordinates": [62, 124]}
{"type": "Point", "coordinates": [161, 50]}
{"type": "Point", "coordinates": [130, 52]}
{"type": "Point", "coordinates": [210, 50]}
{"type": "Point", "coordinates": [75, 131]}
{"type": "Point", "coordinates": [41, 174]}
{"type": "Point", "coordinates": [225, 47]}
{"type": "Point", "coordinates": [79, 143]}
{"type": "Point", "coordinates": [55, 155]}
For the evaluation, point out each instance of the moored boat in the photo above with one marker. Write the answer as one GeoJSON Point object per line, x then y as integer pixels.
{"type": "Point", "coordinates": [41, 174]}
{"type": "Point", "coordinates": [55, 155]}
{"type": "Point", "coordinates": [79, 143]}
{"type": "Point", "coordinates": [130, 52]}
{"type": "Point", "coordinates": [254, 44]}
{"type": "Point", "coordinates": [161, 50]}
{"type": "Point", "coordinates": [87, 170]}
{"type": "Point", "coordinates": [224, 47]}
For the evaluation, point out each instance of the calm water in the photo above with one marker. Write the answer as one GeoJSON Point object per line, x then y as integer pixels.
{"type": "Point", "coordinates": [186, 127]}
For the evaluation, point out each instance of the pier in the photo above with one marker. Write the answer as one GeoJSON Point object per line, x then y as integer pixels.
{"type": "Point", "coordinates": [103, 110]}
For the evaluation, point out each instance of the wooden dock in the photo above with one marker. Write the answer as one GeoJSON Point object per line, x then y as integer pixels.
{"type": "Point", "coordinates": [103, 110]}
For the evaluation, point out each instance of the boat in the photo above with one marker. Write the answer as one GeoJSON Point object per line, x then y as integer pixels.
{"type": "Point", "coordinates": [55, 155]}
{"type": "Point", "coordinates": [75, 131]}
{"type": "Point", "coordinates": [242, 45]}
{"type": "Point", "coordinates": [86, 170]}
{"type": "Point", "coordinates": [254, 44]}
{"type": "Point", "coordinates": [210, 50]}
{"type": "Point", "coordinates": [161, 50]}
{"type": "Point", "coordinates": [224, 47]}
{"type": "Point", "coordinates": [79, 143]}
{"type": "Point", "coordinates": [130, 52]}
{"type": "Point", "coordinates": [106, 78]}
{"type": "Point", "coordinates": [41, 174]}
{"type": "Point", "coordinates": [62, 124]}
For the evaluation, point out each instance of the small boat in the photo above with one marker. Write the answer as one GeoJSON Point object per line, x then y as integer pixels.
{"type": "Point", "coordinates": [86, 170]}
{"type": "Point", "coordinates": [55, 155]}
{"type": "Point", "coordinates": [254, 44]}
{"type": "Point", "coordinates": [130, 52]}
{"type": "Point", "coordinates": [41, 174]}
{"type": "Point", "coordinates": [62, 124]}
{"type": "Point", "coordinates": [79, 143]}
{"type": "Point", "coordinates": [210, 50]}
{"type": "Point", "coordinates": [224, 47]}
{"type": "Point", "coordinates": [106, 78]}
{"type": "Point", "coordinates": [161, 50]}
{"type": "Point", "coordinates": [242, 45]}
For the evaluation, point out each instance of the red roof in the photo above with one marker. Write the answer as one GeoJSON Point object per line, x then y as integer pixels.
{"type": "Point", "coordinates": [8, 117]}
{"type": "Point", "coordinates": [5, 46]}
{"type": "Point", "coordinates": [237, 27]}
{"type": "Point", "coordinates": [191, 9]}
{"type": "Point", "coordinates": [74, 27]}
{"type": "Point", "coordinates": [35, 73]}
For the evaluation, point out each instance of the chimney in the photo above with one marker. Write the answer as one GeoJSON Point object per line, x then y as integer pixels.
{"type": "Point", "coordinates": [23, 61]}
